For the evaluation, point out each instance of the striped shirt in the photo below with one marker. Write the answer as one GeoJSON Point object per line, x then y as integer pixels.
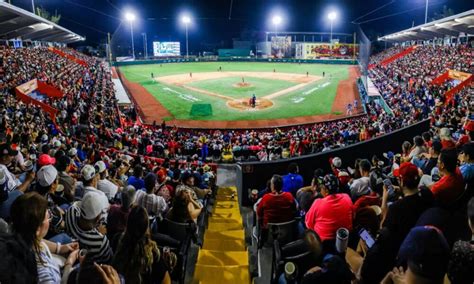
{"type": "Point", "coordinates": [153, 203]}
{"type": "Point", "coordinates": [92, 240]}
{"type": "Point", "coordinates": [48, 270]}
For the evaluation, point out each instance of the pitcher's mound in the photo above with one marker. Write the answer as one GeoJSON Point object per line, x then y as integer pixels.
{"type": "Point", "coordinates": [242, 85]}
{"type": "Point", "coordinates": [243, 104]}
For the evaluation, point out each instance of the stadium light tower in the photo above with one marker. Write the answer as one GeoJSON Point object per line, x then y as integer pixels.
{"type": "Point", "coordinates": [332, 16]}
{"type": "Point", "coordinates": [131, 17]}
{"type": "Point", "coordinates": [426, 11]}
{"type": "Point", "coordinates": [186, 19]}
{"type": "Point", "coordinates": [276, 20]}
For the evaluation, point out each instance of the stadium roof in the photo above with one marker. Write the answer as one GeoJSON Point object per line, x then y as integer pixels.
{"type": "Point", "coordinates": [19, 23]}
{"type": "Point", "coordinates": [450, 26]}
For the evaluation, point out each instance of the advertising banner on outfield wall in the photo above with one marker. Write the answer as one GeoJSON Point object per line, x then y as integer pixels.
{"type": "Point", "coordinates": [315, 50]}
{"type": "Point", "coordinates": [281, 46]}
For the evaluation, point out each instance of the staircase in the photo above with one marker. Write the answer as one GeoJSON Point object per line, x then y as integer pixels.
{"type": "Point", "coordinates": [224, 257]}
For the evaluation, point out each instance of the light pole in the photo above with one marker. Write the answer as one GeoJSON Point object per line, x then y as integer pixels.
{"type": "Point", "coordinates": [131, 17]}
{"type": "Point", "coordinates": [186, 20]}
{"type": "Point", "coordinates": [426, 11]}
{"type": "Point", "coordinates": [145, 45]}
{"type": "Point", "coordinates": [32, 6]}
{"type": "Point", "coordinates": [331, 16]}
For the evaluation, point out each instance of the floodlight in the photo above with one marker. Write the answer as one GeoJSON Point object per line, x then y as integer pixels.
{"type": "Point", "coordinates": [130, 16]}
{"type": "Point", "coordinates": [332, 16]}
{"type": "Point", "coordinates": [276, 20]}
{"type": "Point", "coordinates": [186, 19]}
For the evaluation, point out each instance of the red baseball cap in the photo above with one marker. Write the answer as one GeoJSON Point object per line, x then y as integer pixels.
{"type": "Point", "coordinates": [407, 171]}
{"type": "Point", "coordinates": [45, 159]}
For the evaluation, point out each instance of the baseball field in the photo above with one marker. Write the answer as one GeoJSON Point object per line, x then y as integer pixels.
{"type": "Point", "coordinates": [218, 94]}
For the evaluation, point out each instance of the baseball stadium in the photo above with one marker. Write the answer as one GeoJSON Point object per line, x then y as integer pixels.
{"type": "Point", "coordinates": [236, 142]}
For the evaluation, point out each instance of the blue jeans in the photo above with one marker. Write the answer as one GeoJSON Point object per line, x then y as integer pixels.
{"type": "Point", "coordinates": [62, 238]}
{"type": "Point", "coordinates": [7, 204]}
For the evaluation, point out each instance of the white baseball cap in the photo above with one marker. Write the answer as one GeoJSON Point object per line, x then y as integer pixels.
{"type": "Point", "coordinates": [72, 152]}
{"type": "Point", "coordinates": [101, 166]}
{"type": "Point", "coordinates": [46, 175]}
{"type": "Point", "coordinates": [337, 162]}
{"type": "Point", "coordinates": [93, 204]}
{"type": "Point", "coordinates": [88, 172]}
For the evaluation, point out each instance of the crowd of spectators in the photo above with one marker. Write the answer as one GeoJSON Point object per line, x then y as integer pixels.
{"type": "Point", "coordinates": [409, 212]}
{"type": "Point", "coordinates": [87, 181]}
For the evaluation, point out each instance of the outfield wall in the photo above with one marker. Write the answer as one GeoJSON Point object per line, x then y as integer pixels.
{"type": "Point", "coordinates": [254, 175]}
{"type": "Point", "coordinates": [238, 59]}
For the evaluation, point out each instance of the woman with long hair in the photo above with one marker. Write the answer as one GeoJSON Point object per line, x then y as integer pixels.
{"type": "Point", "coordinates": [137, 257]}
{"type": "Point", "coordinates": [30, 221]}
{"type": "Point", "coordinates": [184, 208]}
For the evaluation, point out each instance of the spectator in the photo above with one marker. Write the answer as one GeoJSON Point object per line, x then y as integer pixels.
{"type": "Point", "coordinates": [451, 184]}
{"type": "Point", "coordinates": [461, 264]}
{"type": "Point", "coordinates": [138, 257]}
{"type": "Point", "coordinates": [292, 181]}
{"type": "Point", "coordinates": [106, 186]}
{"type": "Point", "coordinates": [154, 204]}
{"type": "Point", "coordinates": [361, 186]}
{"type": "Point", "coordinates": [118, 213]}
{"type": "Point", "coordinates": [85, 222]}
{"type": "Point", "coordinates": [331, 212]}
{"type": "Point", "coordinates": [425, 253]}
{"type": "Point", "coordinates": [185, 209]}
{"type": "Point", "coordinates": [432, 157]}
{"type": "Point", "coordinates": [30, 221]}
{"type": "Point", "coordinates": [90, 179]}
{"type": "Point", "coordinates": [136, 180]}
{"type": "Point", "coordinates": [277, 206]}
{"type": "Point", "coordinates": [63, 165]}
{"type": "Point", "coordinates": [401, 216]}
{"type": "Point", "coordinates": [7, 154]}
{"type": "Point", "coordinates": [46, 185]}
{"type": "Point", "coordinates": [466, 157]}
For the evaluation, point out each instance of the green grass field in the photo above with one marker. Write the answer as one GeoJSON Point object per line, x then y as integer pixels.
{"type": "Point", "coordinates": [315, 98]}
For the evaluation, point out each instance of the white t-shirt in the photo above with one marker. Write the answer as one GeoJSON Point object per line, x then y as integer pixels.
{"type": "Point", "coordinates": [107, 187]}
{"type": "Point", "coordinates": [360, 186]}
{"type": "Point", "coordinates": [12, 181]}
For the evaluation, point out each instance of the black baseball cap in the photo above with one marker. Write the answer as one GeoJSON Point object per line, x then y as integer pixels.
{"type": "Point", "coordinates": [7, 150]}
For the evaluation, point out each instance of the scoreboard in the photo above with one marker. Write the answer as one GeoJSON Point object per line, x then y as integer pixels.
{"type": "Point", "coordinates": [166, 48]}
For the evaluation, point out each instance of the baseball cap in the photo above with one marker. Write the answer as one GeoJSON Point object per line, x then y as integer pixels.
{"type": "Point", "coordinates": [93, 204]}
{"type": "Point", "coordinates": [72, 152]}
{"type": "Point", "coordinates": [336, 162]}
{"type": "Point", "coordinates": [44, 138]}
{"type": "Point", "coordinates": [331, 182]}
{"type": "Point", "coordinates": [406, 171]}
{"type": "Point", "coordinates": [101, 166]}
{"type": "Point", "coordinates": [469, 124]}
{"type": "Point", "coordinates": [46, 175]}
{"type": "Point", "coordinates": [7, 150]}
{"type": "Point", "coordinates": [426, 252]}
{"type": "Point", "coordinates": [389, 155]}
{"type": "Point", "coordinates": [57, 143]}
{"type": "Point", "coordinates": [88, 172]}
{"type": "Point", "coordinates": [45, 159]}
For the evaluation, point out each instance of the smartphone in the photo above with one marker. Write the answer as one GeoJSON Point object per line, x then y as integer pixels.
{"type": "Point", "coordinates": [366, 237]}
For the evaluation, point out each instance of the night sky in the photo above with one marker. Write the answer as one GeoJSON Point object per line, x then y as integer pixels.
{"type": "Point", "coordinates": [211, 23]}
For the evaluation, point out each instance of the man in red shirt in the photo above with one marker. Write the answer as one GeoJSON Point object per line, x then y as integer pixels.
{"type": "Point", "coordinates": [330, 213]}
{"type": "Point", "coordinates": [276, 206]}
{"type": "Point", "coordinates": [451, 185]}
